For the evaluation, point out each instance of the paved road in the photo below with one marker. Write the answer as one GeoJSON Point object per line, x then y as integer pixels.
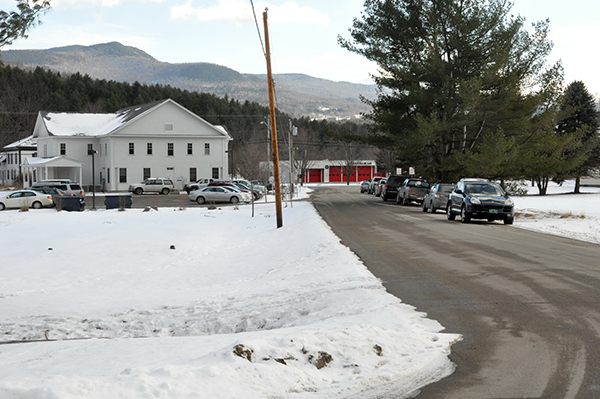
{"type": "Point", "coordinates": [527, 304]}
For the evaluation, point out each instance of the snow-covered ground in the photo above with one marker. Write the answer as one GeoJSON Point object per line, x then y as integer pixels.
{"type": "Point", "coordinates": [198, 303]}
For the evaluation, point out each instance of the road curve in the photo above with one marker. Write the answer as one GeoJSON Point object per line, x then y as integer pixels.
{"type": "Point", "coordinates": [527, 304]}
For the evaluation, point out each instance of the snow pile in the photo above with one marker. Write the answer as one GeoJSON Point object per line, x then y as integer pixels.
{"type": "Point", "coordinates": [198, 303]}
{"type": "Point", "coordinates": [561, 212]}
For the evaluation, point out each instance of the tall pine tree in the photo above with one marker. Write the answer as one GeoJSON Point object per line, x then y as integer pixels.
{"type": "Point", "coordinates": [453, 74]}
{"type": "Point", "coordinates": [579, 114]}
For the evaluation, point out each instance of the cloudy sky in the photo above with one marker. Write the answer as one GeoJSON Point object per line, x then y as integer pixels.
{"type": "Point", "coordinates": [303, 33]}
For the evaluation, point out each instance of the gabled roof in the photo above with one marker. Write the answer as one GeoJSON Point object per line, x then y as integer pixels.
{"type": "Point", "coordinates": [95, 125]}
{"type": "Point", "coordinates": [59, 161]}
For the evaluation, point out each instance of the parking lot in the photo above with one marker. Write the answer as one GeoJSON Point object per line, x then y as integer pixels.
{"type": "Point", "coordinates": [173, 200]}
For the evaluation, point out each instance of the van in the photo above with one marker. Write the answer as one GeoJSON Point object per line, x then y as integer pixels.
{"type": "Point", "coordinates": [65, 185]}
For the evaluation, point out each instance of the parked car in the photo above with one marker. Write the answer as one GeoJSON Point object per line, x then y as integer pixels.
{"type": "Point", "coordinates": [437, 197]}
{"type": "Point", "coordinates": [153, 185]}
{"type": "Point", "coordinates": [197, 184]}
{"type": "Point", "coordinates": [55, 193]}
{"type": "Point", "coordinates": [218, 194]}
{"type": "Point", "coordinates": [65, 185]}
{"type": "Point", "coordinates": [379, 187]}
{"type": "Point", "coordinates": [364, 186]}
{"type": "Point", "coordinates": [373, 184]}
{"type": "Point", "coordinates": [25, 198]}
{"type": "Point", "coordinates": [229, 183]}
{"type": "Point", "coordinates": [390, 190]}
{"type": "Point", "coordinates": [412, 190]}
{"type": "Point", "coordinates": [258, 190]}
{"type": "Point", "coordinates": [473, 199]}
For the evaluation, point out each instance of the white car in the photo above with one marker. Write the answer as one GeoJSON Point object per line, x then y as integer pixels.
{"type": "Point", "coordinates": [218, 194]}
{"type": "Point", "coordinates": [25, 199]}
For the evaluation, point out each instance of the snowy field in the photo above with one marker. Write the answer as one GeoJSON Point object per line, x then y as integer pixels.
{"type": "Point", "coordinates": [237, 309]}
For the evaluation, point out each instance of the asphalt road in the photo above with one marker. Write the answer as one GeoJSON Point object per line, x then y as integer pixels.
{"type": "Point", "coordinates": [527, 304]}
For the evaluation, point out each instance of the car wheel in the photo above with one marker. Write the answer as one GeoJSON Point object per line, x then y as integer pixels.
{"type": "Point", "coordinates": [200, 200]}
{"type": "Point", "coordinates": [36, 205]}
{"type": "Point", "coordinates": [164, 191]}
{"type": "Point", "coordinates": [509, 220]}
{"type": "Point", "coordinates": [2, 206]}
{"type": "Point", "coordinates": [138, 191]}
{"type": "Point", "coordinates": [424, 207]}
{"type": "Point", "coordinates": [384, 197]}
{"type": "Point", "coordinates": [464, 215]}
{"type": "Point", "coordinates": [433, 208]}
{"type": "Point", "coordinates": [234, 200]}
{"type": "Point", "coordinates": [449, 213]}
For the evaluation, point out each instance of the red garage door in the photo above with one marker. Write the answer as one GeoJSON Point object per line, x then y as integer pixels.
{"type": "Point", "coordinates": [335, 174]}
{"type": "Point", "coordinates": [314, 176]}
{"type": "Point", "coordinates": [365, 173]}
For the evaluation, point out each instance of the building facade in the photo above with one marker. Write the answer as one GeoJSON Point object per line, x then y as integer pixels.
{"type": "Point", "coordinates": [161, 139]}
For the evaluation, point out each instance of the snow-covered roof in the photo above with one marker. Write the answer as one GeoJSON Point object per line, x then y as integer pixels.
{"type": "Point", "coordinates": [27, 142]}
{"type": "Point", "coordinates": [63, 124]}
{"type": "Point", "coordinates": [92, 125]}
{"type": "Point", "coordinates": [58, 161]}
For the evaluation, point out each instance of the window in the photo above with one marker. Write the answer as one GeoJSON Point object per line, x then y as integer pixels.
{"type": "Point", "coordinates": [122, 175]}
{"type": "Point", "coordinates": [147, 173]}
{"type": "Point", "coordinates": [190, 148]}
{"type": "Point", "coordinates": [106, 150]}
{"type": "Point", "coordinates": [168, 127]}
{"type": "Point", "coordinates": [90, 149]}
{"type": "Point", "coordinates": [206, 148]}
{"type": "Point", "coordinates": [170, 149]}
{"type": "Point", "coordinates": [193, 174]}
{"type": "Point", "coordinates": [149, 148]}
{"type": "Point", "coordinates": [215, 173]}
{"type": "Point", "coordinates": [131, 149]}
{"type": "Point", "coordinates": [63, 148]}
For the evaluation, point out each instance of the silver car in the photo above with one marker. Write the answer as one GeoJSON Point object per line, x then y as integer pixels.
{"type": "Point", "coordinates": [218, 194]}
{"type": "Point", "coordinates": [437, 197]}
{"type": "Point", "coordinates": [153, 185]}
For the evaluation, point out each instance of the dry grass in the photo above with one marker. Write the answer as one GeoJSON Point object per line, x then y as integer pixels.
{"type": "Point", "coordinates": [558, 215]}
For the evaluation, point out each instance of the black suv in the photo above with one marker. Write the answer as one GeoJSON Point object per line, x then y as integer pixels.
{"type": "Point", "coordinates": [480, 199]}
{"type": "Point", "coordinates": [390, 189]}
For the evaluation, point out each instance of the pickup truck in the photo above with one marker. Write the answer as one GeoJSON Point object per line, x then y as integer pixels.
{"type": "Point", "coordinates": [412, 190]}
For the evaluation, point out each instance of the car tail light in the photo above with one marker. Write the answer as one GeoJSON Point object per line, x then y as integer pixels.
{"type": "Point", "coordinates": [436, 195]}
{"type": "Point", "coordinates": [409, 190]}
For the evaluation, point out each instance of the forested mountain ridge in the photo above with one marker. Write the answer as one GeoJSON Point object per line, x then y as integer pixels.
{"type": "Point", "coordinates": [297, 94]}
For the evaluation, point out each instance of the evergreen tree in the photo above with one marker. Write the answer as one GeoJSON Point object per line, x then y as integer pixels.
{"type": "Point", "coordinates": [580, 115]}
{"type": "Point", "coordinates": [15, 24]}
{"type": "Point", "coordinates": [453, 74]}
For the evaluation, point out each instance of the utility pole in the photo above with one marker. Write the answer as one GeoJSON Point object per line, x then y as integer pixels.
{"type": "Point", "coordinates": [273, 126]}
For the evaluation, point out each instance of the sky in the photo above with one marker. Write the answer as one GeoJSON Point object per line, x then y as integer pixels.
{"type": "Point", "coordinates": [303, 34]}
{"type": "Point", "coordinates": [145, 320]}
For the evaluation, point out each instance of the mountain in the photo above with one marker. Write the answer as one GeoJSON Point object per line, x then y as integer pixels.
{"type": "Point", "coordinates": [297, 94]}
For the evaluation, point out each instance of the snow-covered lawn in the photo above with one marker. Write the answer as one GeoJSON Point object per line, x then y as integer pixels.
{"type": "Point", "coordinates": [198, 303]}
{"type": "Point", "coordinates": [238, 309]}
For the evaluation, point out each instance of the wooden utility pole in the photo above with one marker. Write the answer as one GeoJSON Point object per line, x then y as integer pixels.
{"type": "Point", "coordinates": [274, 145]}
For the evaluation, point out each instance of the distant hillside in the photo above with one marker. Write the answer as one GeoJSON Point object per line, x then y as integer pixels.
{"type": "Point", "coordinates": [297, 94]}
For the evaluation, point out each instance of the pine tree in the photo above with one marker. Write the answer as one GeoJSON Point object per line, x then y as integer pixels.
{"type": "Point", "coordinates": [579, 114]}
{"type": "Point", "coordinates": [453, 73]}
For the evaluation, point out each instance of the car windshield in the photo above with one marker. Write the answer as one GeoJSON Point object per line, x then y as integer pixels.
{"type": "Point", "coordinates": [483, 189]}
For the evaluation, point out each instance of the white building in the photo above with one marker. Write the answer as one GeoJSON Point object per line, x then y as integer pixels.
{"type": "Point", "coordinates": [12, 157]}
{"type": "Point", "coordinates": [160, 139]}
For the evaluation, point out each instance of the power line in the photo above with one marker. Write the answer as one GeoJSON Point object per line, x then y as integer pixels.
{"type": "Point", "coordinates": [258, 29]}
